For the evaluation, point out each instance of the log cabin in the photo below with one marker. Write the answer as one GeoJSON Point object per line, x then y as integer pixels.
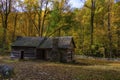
{"type": "Point", "coordinates": [54, 48]}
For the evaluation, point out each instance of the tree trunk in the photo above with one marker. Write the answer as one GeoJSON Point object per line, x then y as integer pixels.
{"type": "Point", "coordinates": [14, 31]}
{"type": "Point", "coordinates": [109, 29]}
{"type": "Point", "coordinates": [4, 31]}
{"type": "Point", "coordinates": [83, 39]}
{"type": "Point", "coordinates": [59, 32]}
{"type": "Point", "coordinates": [39, 25]}
{"type": "Point", "coordinates": [43, 21]}
{"type": "Point", "coordinates": [6, 9]}
{"type": "Point", "coordinates": [92, 23]}
{"type": "Point", "coordinates": [4, 38]}
{"type": "Point", "coordinates": [118, 42]}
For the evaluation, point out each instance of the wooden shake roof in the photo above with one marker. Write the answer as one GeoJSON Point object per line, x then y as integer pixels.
{"type": "Point", "coordinates": [40, 42]}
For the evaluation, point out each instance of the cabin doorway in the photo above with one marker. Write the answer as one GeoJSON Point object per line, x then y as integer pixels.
{"type": "Point", "coordinates": [22, 55]}
{"type": "Point", "coordinates": [41, 54]}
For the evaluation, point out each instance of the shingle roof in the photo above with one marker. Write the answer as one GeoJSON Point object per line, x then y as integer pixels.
{"type": "Point", "coordinates": [40, 42]}
{"type": "Point", "coordinates": [27, 41]}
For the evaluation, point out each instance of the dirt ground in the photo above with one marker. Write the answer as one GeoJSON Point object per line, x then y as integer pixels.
{"type": "Point", "coordinates": [83, 69]}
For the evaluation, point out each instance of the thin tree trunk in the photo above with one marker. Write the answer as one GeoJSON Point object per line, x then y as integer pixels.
{"type": "Point", "coordinates": [14, 31]}
{"type": "Point", "coordinates": [118, 42]}
{"type": "Point", "coordinates": [109, 29]}
{"type": "Point", "coordinates": [4, 38]}
{"type": "Point", "coordinates": [45, 13]}
{"type": "Point", "coordinates": [30, 27]}
{"type": "Point", "coordinates": [92, 23]}
{"type": "Point", "coordinates": [59, 32]}
{"type": "Point", "coordinates": [39, 25]}
{"type": "Point", "coordinates": [4, 31]}
{"type": "Point", "coordinates": [83, 39]}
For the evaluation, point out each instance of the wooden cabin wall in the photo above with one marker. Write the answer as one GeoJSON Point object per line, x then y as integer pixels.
{"type": "Point", "coordinates": [62, 55]}
{"type": "Point", "coordinates": [67, 55]}
{"type": "Point", "coordinates": [28, 52]}
{"type": "Point", "coordinates": [70, 54]}
{"type": "Point", "coordinates": [53, 55]}
{"type": "Point", "coordinates": [48, 55]}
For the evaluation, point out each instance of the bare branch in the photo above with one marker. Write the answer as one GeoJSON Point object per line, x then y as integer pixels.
{"type": "Point", "coordinates": [30, 18]}
{"type": "Point", "coordinates": [2, 6]}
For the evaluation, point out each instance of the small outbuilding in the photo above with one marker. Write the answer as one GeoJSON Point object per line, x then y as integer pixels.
{"type": "Point", "coordinates": [53, 48]}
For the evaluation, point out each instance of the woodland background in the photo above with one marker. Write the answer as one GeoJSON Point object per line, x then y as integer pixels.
{"type": "Point", "coordinates": [95, 27]}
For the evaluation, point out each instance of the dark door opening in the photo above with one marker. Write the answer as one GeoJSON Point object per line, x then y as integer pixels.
{"type": "Point", "coordinates": [22, 55]}
{"type": "Point", "coordinates": [41, 54]}
{"type": "Point", "coordinates": [61, 57]}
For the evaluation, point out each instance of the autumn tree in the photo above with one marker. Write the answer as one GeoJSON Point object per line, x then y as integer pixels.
{"type": "Point", "coordinates": [36, 13]}
{"type": "Point", "coordinates": [59, 16]}
{"type": "Point", "coordinates": [5, 11]}
{"type": "Point", "coordinates": [91, 6]}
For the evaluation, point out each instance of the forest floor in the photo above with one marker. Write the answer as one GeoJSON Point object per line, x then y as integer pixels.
{"type": "Point", "coordinates": [83, 69]}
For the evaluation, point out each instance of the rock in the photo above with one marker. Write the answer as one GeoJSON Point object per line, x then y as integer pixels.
{"type": "Point", "coordinates": [6, 71]}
